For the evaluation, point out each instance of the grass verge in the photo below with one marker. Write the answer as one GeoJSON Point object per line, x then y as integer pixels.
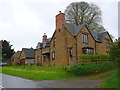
{"type": "Point", "coordinates": [56, 72]}
{"type": "Point", "coordinates": [37, 72]}
{"type": "Point", "coordinates": [103, 75]}
{"type": "Point", "coordinates": [113, 81]}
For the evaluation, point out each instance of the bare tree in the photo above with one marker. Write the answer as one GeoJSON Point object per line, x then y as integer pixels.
{"type": "Point", "coordinates": [84, 13]}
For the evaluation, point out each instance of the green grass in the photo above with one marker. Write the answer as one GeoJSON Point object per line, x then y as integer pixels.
{"type": "Point", "coordinates": [0, 69]}
{"type": "Point", "coordinates": [113, 81]}
{"type": "Point", "coordinates": [55, 72]}
{"type": "Point", "coordinates": [38, 72]}
{"type": "Point", "coordinates": [101, 76]}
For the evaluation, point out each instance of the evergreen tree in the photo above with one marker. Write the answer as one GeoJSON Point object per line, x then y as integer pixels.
{"type": "Point", "coordinates": [7, 50]}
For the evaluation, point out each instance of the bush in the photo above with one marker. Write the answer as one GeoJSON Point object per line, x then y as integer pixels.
{"type": "Point", "coordinates": [115, 51]}
{"type": "Point", "coordinates": [94, 58]}
{"type": "Point", "coordinates": [90, 68]}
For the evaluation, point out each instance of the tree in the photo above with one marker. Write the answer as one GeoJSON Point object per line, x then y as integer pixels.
{"type": "Point", "coordinates": [84, 13]}
{"type": "Point", "coordinates": [115, 51]}
{"type": "Point", "coordinates": [7, 50]}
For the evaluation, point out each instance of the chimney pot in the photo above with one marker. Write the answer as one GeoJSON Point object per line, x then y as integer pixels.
{"type": "Point", "coordinates": [44, 37]}
{"type": "Point", "coordinates": [60, 12]}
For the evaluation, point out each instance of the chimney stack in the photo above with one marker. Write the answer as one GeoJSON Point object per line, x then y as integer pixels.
{"type": "Point", "coordinates": [44, 37]}
{"type": "Point", "coordinates": [60, 19]}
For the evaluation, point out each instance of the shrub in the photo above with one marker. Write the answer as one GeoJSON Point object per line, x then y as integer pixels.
{"type": "Point", "coordinates": [94, 58]}
{"type": "Point", "coordinates": [90, 68]}
{"type": "Point", "coordinates": [115, 51]}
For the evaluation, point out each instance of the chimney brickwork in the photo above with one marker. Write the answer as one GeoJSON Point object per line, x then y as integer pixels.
{"type": "Point", "coordinates": [60, 19]}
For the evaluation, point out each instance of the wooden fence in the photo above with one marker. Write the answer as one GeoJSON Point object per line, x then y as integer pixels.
{"type": "Point", "coordinates": [77, 60]}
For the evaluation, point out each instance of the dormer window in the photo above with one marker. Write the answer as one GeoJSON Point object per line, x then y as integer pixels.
{"type": "Point", "coordinates": [84, 38]}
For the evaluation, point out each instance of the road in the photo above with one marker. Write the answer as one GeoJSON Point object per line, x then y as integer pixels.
{"type": "Point", "coordinates": [17, 82]}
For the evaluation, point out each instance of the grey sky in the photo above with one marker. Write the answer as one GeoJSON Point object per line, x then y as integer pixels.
{"type": "Point", "coordinates": [23, 22]}
{"type": "Point", "coordinates": [119, 19]}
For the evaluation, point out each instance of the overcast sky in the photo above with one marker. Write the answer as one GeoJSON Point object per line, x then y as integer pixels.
{"type": "Point", "coordinates": [23, 22]}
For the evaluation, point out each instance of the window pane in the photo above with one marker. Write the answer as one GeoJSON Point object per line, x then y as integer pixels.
{"type": "Point", "coordinates": [53, 55]}
{"type": "Point", "coordinates": [84, 38]}
{"type": "Point", "coordinates": [70, 52]}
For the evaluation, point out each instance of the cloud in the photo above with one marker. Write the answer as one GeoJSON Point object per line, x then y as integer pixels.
{"type": "Point", "coordinates": [23, 22]}
{"type": "Point", "coordinates": [24, 17]}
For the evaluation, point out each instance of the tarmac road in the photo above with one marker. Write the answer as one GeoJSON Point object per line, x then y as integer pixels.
{"type": "Point", "coordinates": [17, 82]}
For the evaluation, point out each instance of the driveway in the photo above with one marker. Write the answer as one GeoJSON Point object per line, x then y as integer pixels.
{"type": "Point", "coordinates": [17, 82]}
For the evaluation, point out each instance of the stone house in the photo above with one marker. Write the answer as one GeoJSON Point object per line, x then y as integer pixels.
{"type": "Point", "coordinates": [42, 52]}
{"type": "Point", "coordinates": [69, 40]}
{"type": "Point", "coordinates": [15, 58]}
{"type": "Point", "coordinates": [27, 56]}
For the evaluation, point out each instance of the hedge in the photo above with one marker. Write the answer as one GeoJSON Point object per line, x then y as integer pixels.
{"type": "Point", "coordinates": [90, 68]}
{"type": "Point", "coordinates": [95, 57]}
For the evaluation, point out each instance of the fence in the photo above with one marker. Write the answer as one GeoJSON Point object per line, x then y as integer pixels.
{"type": "Point", "coordinates": [77, 60]}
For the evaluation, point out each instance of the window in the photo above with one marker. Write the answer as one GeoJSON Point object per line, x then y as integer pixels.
{"type": "Point", "coordinates": [54, 42]}
{"type": "Point", "coordinates": [59, 30]}
{"type": "Point", "coordinates": [84, 38]}
{"type": "Point", "coordinates": [107, 43]}
{"type": "Point", "coordinates": [44, 58]}
{"type": "Point", "coordinates": [70, 52]}
{"type": "Point", "coordinates": [107, 52]}
{"type": "Point", "coordinates": [53, 55]}
{"type": "Point", "coordinates": [88, 51]}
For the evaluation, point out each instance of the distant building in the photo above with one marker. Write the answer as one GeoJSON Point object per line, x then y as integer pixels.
{"type": "Point", "coordinates": [15, 58]}
{"type": "Point", "coordinates": [27, 56]}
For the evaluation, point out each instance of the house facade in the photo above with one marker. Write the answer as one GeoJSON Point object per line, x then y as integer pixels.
{"type": "Point", "coordinates": [69, 40]}
{"type": "Point", "coordinates": [27, 56]}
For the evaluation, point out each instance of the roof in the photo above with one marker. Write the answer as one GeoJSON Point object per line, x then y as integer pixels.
{"type": "Point", "coordinates": [84, 47]}
{"type": "Point", "coordinates": [74, 30]}
{"type": "Point", "coordinates": [16, 55]}
{"type": "Point", "coordinates": [98, 36]}
{"type": "Point", "coordinates": [46, 52]}
{"type": "Point", "coordinates": [101, 36]}
{"type": "Point", "coordinates": [45, 43]}
{"type": "Point", "coordinates": [29, 52]}
{"type": "Point", "coordinates": [48, 42]}
{"type": "Point", "coordinates": [39, 45]}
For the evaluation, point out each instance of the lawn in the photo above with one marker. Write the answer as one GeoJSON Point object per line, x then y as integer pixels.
{"type": "Point", "coordinates": [0, 69]}
{"type": "Point", "coordinates": [103, 75]}
{"type": "Point", "coordinates": [38, 72]}
{"type": "Point", "coordinates": [56, 72]}
{"type": "Point", "coordinates": [113, 81]}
